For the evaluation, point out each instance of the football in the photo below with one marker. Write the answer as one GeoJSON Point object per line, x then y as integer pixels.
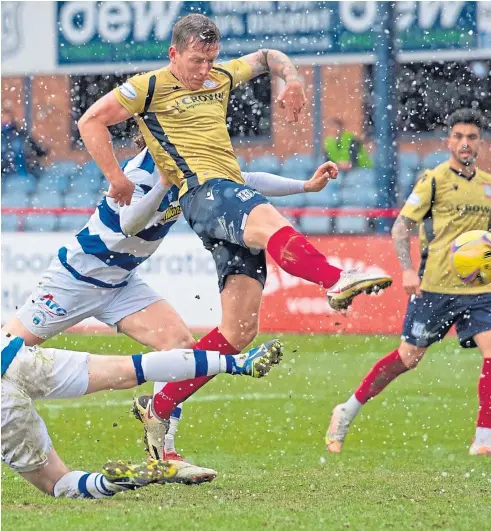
{"type": "Point", "coordinates": [470, 257]}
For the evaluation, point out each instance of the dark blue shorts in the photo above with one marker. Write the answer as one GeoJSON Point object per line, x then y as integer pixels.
{"type": "Point", "coordinates": [217, 212]}
{"type": "Point", "coordinates": [429, 318]}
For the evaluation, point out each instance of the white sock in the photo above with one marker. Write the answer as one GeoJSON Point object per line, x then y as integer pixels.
{"type": "Point", "coordinates": [352, 406]}
{"type": "Point", "coordinates": [178, 364]}
{"type": "Point", "coordinates": [78, 484]}
{"type": "Point", "coordinates": [169, 444]}
{"type": "Point", "coordinates": [483, 437]}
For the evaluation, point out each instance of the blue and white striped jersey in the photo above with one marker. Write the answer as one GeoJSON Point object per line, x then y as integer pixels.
{"type": "Point", "coordinates": [101, 254]}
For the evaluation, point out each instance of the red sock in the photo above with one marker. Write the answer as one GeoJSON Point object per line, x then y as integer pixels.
{"type": "Point", "coordinates": [297, 256]}
{"type": "Point", "coordinates": [380, 376]}
{"type": "Point", "coordinates": [172, 394]}
{"type": "Point", "coordinates": [484, 391]}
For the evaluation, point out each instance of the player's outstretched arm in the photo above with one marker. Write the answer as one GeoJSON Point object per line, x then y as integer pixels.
{"type": "Point", "coordinates": [144, 208]}
{"type": "Point", "coordinates": [273, 185]}
{"type": "Point", "coordinates": [292, 97]}
{"type": "Point", "coordinates": [93, 127]}
{"type": "Point", "coordinates": [401, 234]}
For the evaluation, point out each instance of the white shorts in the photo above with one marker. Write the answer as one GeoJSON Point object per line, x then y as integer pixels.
{"type": "Point", "coordinates": [36, 373]}
{"type": "Point", "coordinates": [61, 301]}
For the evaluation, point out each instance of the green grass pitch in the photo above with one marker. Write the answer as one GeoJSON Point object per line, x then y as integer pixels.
{"type": "Point", "coordinates": [405, 464]}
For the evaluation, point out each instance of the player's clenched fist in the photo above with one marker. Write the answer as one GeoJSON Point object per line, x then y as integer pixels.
{"type": "Point", "coordinates": [292, 98]}
{"type": "Point", "coordinates": [121, 190]}
{"type": "Point", "coordinates": [324, 173]}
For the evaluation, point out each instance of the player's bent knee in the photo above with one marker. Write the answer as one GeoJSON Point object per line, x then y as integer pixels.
{"type": "Point", "coordinates": [410, 354]}
{"type": "Point", "coordinates": [262, 222]}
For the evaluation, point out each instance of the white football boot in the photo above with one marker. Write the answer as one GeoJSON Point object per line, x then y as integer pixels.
{"type": "Point", "coordinates": [479, 449]}
{"type": "Point", "coordinates": [338, 429]}
{"type": "Point", "coordinates": [352, 283]}
{"type": "Point", "coordinates": [154, 439]}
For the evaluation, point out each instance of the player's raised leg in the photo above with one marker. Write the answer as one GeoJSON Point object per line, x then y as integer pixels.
{"type": "Point", "coordinates": [267, 229]}
{"type": "Point", "coordinates": [481, 445]}
{"type": "Point", "coordinates": [380, 375]}
{"type": "Point", "coordinates": [124, 372]}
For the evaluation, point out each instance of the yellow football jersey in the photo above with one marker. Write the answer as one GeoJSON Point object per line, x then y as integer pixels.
{"type": "Point", "coordinates": [446, 204]}
{"type": "Point", "coordinates": [185, 130]}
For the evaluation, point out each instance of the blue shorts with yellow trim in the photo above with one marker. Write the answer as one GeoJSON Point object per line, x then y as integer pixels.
{"type": "Point", "coordinates": [430, 317]}
{"type": "Point", "coordinates": [217, 212]}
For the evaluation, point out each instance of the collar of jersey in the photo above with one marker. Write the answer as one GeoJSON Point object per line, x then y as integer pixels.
{"type": "Point", "coordinates": [462, 175]}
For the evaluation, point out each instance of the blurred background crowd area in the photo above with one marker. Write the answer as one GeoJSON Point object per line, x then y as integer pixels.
{"type": "Point", "coordinates": [45, 165]}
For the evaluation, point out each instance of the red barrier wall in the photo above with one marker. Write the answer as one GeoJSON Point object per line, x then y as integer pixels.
{"type": "Point", "coordinates": [294, 305]}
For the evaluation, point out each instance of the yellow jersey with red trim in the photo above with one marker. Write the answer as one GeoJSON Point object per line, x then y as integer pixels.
{"type": "Point", "coordinates": [446, 204]}
{"type": "Point", "coordinates": [185, 130]}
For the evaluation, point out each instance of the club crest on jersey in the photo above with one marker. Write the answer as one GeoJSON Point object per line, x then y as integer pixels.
{"type": "Point", "coordinates": [177, 107]}
{"type": "Point", "coordinates": [52, 307]}
{"type": "Point", "coordinates": [39, 318]}
{"type": "Point", "coordinates": [209, 84]}
{"type": "Point", "coordinates": [487, 190]}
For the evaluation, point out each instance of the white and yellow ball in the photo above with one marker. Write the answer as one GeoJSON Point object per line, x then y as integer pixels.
{"type": "Point", "coordinates": [470, 257]}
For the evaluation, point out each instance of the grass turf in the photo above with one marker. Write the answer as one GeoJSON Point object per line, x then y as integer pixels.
{"type": "Point", "coordinates": [405, 464]}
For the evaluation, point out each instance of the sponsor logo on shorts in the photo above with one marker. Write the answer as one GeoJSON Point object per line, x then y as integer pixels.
{"type": "Point", "coordinates": [419, 331]}
{"type": "Point", "coordinates": [39, 318]}
{"type": "Point", "coordinates": [246, 194]}
{"type": "Point", "coordinates": [51, 306]}
{"type": "Point", "coordinates": [128, 91]}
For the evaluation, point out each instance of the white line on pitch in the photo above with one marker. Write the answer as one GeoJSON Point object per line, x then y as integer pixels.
{"type": "Point", "coordinates": [79, 404]}
{"type": "Point", "coordinates": [84, 404]}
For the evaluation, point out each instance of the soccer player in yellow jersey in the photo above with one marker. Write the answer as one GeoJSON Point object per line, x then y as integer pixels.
{"type": "Point", "coordinates": [451, 199]}
{"type": "Point", "coordinates": [181, 112]}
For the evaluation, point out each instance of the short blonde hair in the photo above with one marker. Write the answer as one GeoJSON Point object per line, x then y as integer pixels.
{"type": "Point", "coordinates": [196, 27]}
